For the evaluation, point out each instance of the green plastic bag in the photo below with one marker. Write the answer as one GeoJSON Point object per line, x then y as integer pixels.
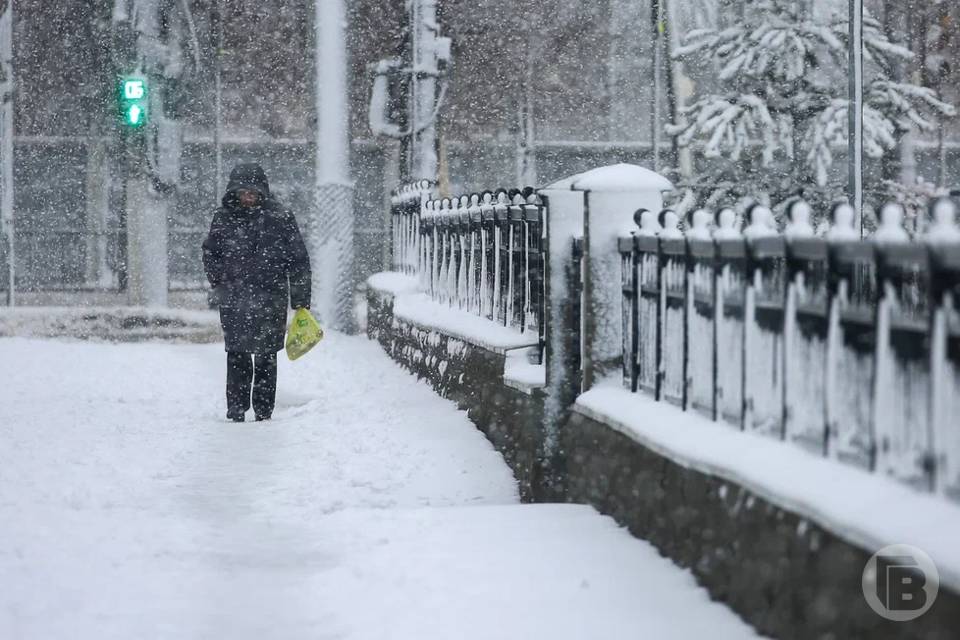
{"type": "Point", "coordinates": [304, 334]}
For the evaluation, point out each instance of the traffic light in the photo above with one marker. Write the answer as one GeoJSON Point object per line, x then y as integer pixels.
{"type": "Point", "coordinates": [134, 99]}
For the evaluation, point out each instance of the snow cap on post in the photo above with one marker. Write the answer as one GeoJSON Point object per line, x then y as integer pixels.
{"type": "Point", "coordinates": [699, 225]}
{"type": "Point", "coordinates": [621, 178]}
{"type": "Point", "coordinates": [616, 191]}
{"type": "Point", "coordinates": [891, 224]}
{"type": "Point", "coordinates": [647, 221]}
{"type": "Point", "coordinates": [759, 222]}
{"type": "Point", "coordinates": [841, 222]}
{"type": "Point", "coordinates": [798, 220]}
{"type": "Point", "coordinates": [669, 224]}
{"type": "Point", "coordinates": [943, 229]}
{"type": "Point", "coordinates": [726, 225]}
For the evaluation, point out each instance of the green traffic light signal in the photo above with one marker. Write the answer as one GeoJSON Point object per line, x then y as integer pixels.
{"type": "Point", "coordinates": [134, 115]}
{"type": "Point", "coordinates": [134, 98]}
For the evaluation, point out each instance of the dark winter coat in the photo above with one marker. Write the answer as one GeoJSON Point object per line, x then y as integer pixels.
{"type": "Point", "coordinates": [256, 262]}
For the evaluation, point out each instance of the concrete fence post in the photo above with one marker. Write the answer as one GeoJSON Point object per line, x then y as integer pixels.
{"type": "Point", "coordinates": [611, 196]}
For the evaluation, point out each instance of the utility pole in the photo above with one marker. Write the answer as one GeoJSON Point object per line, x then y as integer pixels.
{"type": "Point", "coordinates": [408, 91]}
{"type": "Point", "coordinates": [425, 32]}
{"type": "Point", "coordinates": [855, 109]}
{"type": "Point", "coordinates": [330, 234]}
{"type": "Point", "coordinates": [6, 145]}
{"type": "Point", "coordinates": [527, 152]}
{"type": "Point", "coordinates": [218, 94]}
{"type": "Point", "coordinates": [656, 15]}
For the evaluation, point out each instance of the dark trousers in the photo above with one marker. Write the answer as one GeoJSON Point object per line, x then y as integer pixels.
{"type": "Point", "coordinates": [245, 370]}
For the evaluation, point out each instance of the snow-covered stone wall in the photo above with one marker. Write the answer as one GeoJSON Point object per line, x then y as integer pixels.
{"type": "Point", "coordinates": [762, 526]}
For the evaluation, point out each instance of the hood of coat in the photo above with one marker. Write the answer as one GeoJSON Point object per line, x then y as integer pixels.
{"type": "Point", "coordinates": [246, 176]}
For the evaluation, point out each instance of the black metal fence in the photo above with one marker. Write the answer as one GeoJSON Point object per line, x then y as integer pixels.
{"type": "Point", "coordinates": [482, 253]}
{"type": "Point", "coordinates": [848, 349]}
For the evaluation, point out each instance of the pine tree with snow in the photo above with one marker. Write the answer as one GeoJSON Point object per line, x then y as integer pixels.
{"type": "Point", "coordinates": [778, 111]}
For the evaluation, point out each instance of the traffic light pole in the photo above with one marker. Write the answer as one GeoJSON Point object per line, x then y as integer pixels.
{"type": "Point", "coordinates": [132, 214]}
{"type": "Point", "coordinates": [148, 141]}
{"type": "Point", "coordinates": [144, 213]}
{"type": "Point", "coordinates": [122, 266]}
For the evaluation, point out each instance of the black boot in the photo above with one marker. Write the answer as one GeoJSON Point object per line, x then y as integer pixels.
{"type": "Point", "coordinates": [239, 380]}
{"type": "Point", "coordinates": [264, 385]}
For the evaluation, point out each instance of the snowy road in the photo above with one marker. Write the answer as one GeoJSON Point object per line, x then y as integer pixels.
{"type": "Point", "coordinates": [368, 508]}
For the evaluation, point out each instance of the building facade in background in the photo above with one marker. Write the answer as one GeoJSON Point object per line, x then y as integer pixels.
{"type": "Point", "coordinates": [539, 89]}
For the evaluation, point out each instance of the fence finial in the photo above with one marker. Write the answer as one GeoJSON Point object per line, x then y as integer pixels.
{"type": "Point", "coordinates": [647, 221]}
{"type": "Point", "coordinates": [638, 217]}
{"type": "Point", "coordinates": [699, 225]}
{"type": "Point", "coordinates": [726, 225]}
{"type": "Point", "coordinates": [891, 224]}
{"type": "Point", "coordinates": [669, 221]}
{"type": "Point", "coordinates": [841, 222]}
{"type": "Point", "coordinates": [798, 220]}
{"type": "Point", "coordinates": [943, 213]}
{"type": "Point", "coordinates": [759, 222]}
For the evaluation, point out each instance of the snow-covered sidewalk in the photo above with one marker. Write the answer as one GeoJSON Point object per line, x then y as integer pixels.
{"type": "Point", "coordinates": [369, 508]}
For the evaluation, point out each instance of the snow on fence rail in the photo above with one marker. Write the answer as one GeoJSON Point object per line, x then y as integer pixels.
{"type": "Point", "coordinates": [848, 348]}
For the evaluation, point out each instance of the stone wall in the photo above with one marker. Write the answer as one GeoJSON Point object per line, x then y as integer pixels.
{"type": "Point", "coordinates": [787, 576]}
{"type": "Point", "coordinates": [471, 376]}
{"type": "Point", "coordinates": [784, 574]}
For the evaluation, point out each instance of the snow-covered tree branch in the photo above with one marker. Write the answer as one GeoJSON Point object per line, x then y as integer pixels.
{"type": "Point", "coordinates": [773, 112]}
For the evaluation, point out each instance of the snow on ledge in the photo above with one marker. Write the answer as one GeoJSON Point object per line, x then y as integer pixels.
{"type": "Point", "coordinates": [393, 283]}
{"type": "Point", "coordinates": [520, 374]}
{"type": "Point", "coordinates": [418, 308]}
{"type": "Point", "coordinates": [621, 177]}
{"type": "Point", "coordinates": [867, 510]}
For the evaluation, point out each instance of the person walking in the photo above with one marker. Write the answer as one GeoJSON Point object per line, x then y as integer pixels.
{"type": "Point", "coordinates": [256, 262]}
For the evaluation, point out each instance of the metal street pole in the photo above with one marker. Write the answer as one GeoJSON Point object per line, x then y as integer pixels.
{"type": "Point", "coordinates": [425, 33]}
{"type": "Point", "coordinates": [330, 234]}
{"type": "Point", "coordinates": [855, 109]}
{"type": "Point", "coordinates": [218, 93]}
{"type": "Point", "coordinates": [6, 147]}
{"type": "Point", "coordinates": [142, 55]}
{"type": "Point", "coordinates": [657, 20]}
